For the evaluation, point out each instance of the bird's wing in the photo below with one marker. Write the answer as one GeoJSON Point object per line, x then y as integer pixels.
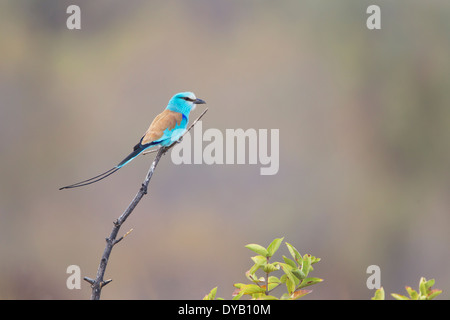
{"type": "Point", "coordinates": [165, 120]}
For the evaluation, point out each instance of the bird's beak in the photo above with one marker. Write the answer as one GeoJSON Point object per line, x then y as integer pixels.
{"type": "Point", "coordinates": [199, 101]}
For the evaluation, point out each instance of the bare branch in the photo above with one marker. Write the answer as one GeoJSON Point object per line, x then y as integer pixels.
{"type": "Point", "coordinates": [98, 283]}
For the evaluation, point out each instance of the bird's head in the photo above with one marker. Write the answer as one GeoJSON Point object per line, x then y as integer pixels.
{"type": "Point", "coordinates": [184, 102]}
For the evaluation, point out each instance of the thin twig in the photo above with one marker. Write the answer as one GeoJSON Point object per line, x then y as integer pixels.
{"type": "Point", "coordinates": [98, 283]}
{"type": "Point", "coordinates": [120, 239]}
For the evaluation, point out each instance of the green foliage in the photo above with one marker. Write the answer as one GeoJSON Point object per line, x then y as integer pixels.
{"type": "Point", "coordinates": [212, 295]}
{"type": "Point", "coordinates": [425, 292]}
{"type": "Point", "coordinates": [379, 294]}
{"type": "Point", "coordinates": [294, 276]}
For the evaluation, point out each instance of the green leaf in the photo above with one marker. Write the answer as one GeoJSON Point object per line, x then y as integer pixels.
{"type": "Point", "coordinates": [238, 285]}
{"type": "Point", "coordinates": [211, 295]}
{"type": "Point", "coordinates": [399, 296]}
{"type": "Point", "coordinates": [425, 288]}
{"type": "Point", "coordinates": [273, 279]}
{"type": "Point", "coordinates": [429, 284]}
{"type": "Point", "coordinates": [306, 267]}
{"type": "Point", "coordinates": [433, 294]}
{"type": "Point", "coordinates": [294, 253]}
{"type": "Point", "coordinates": [379, 294]}
{"type": "Point", "coordinates": [309, 282]}
{"type": "Point", "coordinates": [290, 262]}
{"type": "Point", "coordinates": [273, 246]}
{"type": "Point", "coordinates": [253, 277]}
{"type": "Point", "coordinates": [290, 285]}
{"type": "Point", "coordinates": [258, 249]}
{"type": "Point", "coordinates": [291, 280]}
{"type": "Point", "coordinates": [264, 297]}
{"type": "Point", "coordinates": [422, 287]}
{"type": "Point", "coordinates": [270, 267]}
{"type": "Point", "coordinates": [314, 259]}
{"type": "Point", "coordinates": [238, 296]}
{"type": "Point", "coordinates": [412, 293]}
{"type": "Point", "coordinates": [273, 286]}
{"type": "Point", "coordinates": [298, 273]}
{"type": "Point", "coordinates": [252, 289]}
{"type": "Point", "coordinates": [285, 296]}
{"type": "Point", "coordinates": [299, 293]}
{"type": "Point", "coordinates": [259, 261]}
{"type": "Point", "coordinates": [251, 273]}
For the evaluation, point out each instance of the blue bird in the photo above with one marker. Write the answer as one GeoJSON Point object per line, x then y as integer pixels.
{"type": "Point", "coordinates": [166, 128]}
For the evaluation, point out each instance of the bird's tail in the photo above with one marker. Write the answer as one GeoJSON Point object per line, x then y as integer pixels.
{"type": "Point", "coordinates": [136, 151]}
{"type": "Point", "coordinates": [93, 179]}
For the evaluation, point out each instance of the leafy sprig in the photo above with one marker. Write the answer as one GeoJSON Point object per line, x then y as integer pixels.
{"type": "Point", "coordinates": [294, 277]}
{"type": "Point", "coordinates": [425, 292]}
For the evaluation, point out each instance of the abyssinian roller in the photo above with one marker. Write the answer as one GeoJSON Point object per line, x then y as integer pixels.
{"type": "Point", "coordinates": [166, 128]}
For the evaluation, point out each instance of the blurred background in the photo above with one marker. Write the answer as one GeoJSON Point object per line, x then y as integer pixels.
{"type": "Point", "coordinates": [364, 120]}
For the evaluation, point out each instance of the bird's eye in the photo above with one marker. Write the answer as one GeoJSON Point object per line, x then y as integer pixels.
{"type": "Point", "coordinates": [187, 98]}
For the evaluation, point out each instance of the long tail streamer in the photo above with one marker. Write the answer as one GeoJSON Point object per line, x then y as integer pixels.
{"type": "Point", "coordinates": [92, 180]}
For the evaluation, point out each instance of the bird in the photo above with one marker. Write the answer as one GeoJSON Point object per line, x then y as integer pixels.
{"type": "Point", "coordinates": [167, 128]}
